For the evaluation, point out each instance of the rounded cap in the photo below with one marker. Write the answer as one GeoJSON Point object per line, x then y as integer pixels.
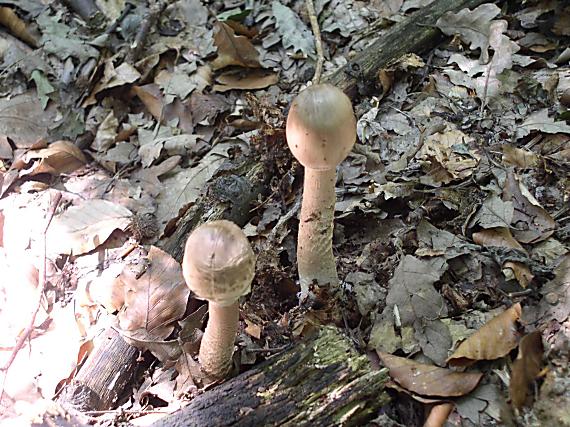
{"type": "Point", "coordinates": [219, 263]}
{"type": "Point", "coordinates": [321, 127]}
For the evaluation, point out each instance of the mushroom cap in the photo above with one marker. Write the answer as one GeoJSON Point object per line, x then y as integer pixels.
{"type": "Point", "coordinates": [321, 127]}
{"type": "Point", "coordinates": [218, 263]}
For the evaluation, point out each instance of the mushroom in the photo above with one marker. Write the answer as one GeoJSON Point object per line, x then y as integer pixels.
{"type": "Point", "coordinates": [321, 131]}
{"type": "Point", "coordinates": [218, 266]}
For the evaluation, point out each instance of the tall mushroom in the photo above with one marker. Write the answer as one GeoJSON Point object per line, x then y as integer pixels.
{"type": "Point", "coordinates": [321, 131]}
{"type": "Point", "coordinates": [219, 266]}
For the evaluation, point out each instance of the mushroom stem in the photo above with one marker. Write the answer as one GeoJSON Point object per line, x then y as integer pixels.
{"type": "Point", "coordinates": [217, 345]}
{"type": "Point", "coordinates": [315, 258]}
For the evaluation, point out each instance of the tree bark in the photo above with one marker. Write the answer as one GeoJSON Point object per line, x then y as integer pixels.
{"type": "Point", "coordinates": [413, 35]}
{"type": "Point", "coordinates": [322, 382]}
{"type": "Point", "coordinates": [104, 377]}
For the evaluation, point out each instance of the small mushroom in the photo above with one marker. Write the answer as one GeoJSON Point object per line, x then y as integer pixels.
{"type": "Point", "coordinates": [321, 131]}
{"type": "Point", "coordinates": [219, 266]}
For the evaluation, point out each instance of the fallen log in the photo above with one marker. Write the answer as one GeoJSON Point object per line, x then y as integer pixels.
{"type": "Point", "coordinates": [416, 34]}
{"type": "Point", "coordinates": [320, 382]}
{"type": "Point", "coordinates": [230, 193]}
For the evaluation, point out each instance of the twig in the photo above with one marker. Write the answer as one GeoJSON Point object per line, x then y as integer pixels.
{"type": "Point", "coordinates": [126, 10]}
{"type": "Point", "coordinates": [41, 287]}
{"type": "Point", "coordinates": [149, 19]}
{"type": "Point", "coordinates": [318, 41]}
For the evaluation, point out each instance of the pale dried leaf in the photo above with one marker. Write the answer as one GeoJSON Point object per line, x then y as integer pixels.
{"type": "Point", "coordinates": [155, 299]}
{"type": "Point", "coordinates": [82, 228]}
{"type": "Point", "coordinates": [540, 121]}
{"type": "Point", "coordinates": [293, 31]}
{"type": "Point", "coordinates": [471, 25]}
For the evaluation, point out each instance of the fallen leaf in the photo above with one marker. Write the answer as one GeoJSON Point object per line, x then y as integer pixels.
{"type": "Point", "coordinates": [521, 272]}
{"type": "Point", "coordinates": [526, 368]}
{"type": "Point", "coordinates": [434, 339]}
{"type": "Point", "coordinates": [113, 77]}
{"type": "Point", "coordinates": [82, 228]}
{"type": "Point", "coordinates": [519, 157]}
{"type": "Point", "coordinates": [59, 157]}
{"type": "Point", "coordinates": [253, 329]}
{"type": "Point", "coordinates": [540, 121]}
{"type": "Point", "coordinates": [233, 50]}
{"type": "Point", "coordinates": [448, 157]}
{"type": "Point", "coordinates": [531, 223]}
{"type": "Point", "coordinates": [23, 120]}
{"type": "Point", "coordinates": [412, 291]}
{"type": "Point", "coordinates": [495, 339]}
{"type": "Point", "coordinates": [471, 25]}
{"type": "Point", "coordinates": [157, 298]}
{"type": "Point", "coordinates": [429, 380]}
{"type": "Point", "coordinates": [494, 213]}
{"type": "Point", "coordinates": [499, 236]}
{"type": "Point", "coordinates": [17, 27]}
{"type": "Point", "coordinates": [256, 79]}
{"type": "Point", "coordinates": [555, 302]}
{"type": "Point", "coordinates": [293, 31]}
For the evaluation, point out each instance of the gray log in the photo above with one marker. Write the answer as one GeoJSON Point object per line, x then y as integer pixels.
{"type": "Point", "coordinates": [322, 382]}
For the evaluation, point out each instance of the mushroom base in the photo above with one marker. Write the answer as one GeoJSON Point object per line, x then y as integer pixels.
{"type": "Point", "coordinates": [217, 346]}
{"type": "Point", "coordinates": [315, 257]}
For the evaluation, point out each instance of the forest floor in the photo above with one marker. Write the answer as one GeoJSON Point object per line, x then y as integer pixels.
{"type": "Point", "coordinates": [452, 221]}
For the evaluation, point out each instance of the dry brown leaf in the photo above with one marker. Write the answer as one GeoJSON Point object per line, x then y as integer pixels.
{"type": "Point", "coordinates": [233, 50]}
{"type": "Point", "coordinates": [17, 27]}
{"type": "Point", "coordinates": [526, 368]}
{"type": "Point", "coordinates": [498, 236]}
{"type": "Point", "coordinates": [531, 223]}
{"type": "Point", "coordinates": [60, 157]}
{"type": "Point", "coordinates": [154, 101]}
{"type": "Point", "coordinates": [495, 339]}
{"type": "Point", "coordinates": [155, 299]}
{"type": "Point", "coordinates": [256, 79]}
{"type": "Point", "coordinates": [520, 158]}
{"type": "Point", "coordinates": [429, 380]}
{"type": "Point", "coordinates": [113, 77]}
{"type": "Point", "coordinates": [521, 271]}
{"type": "Point", "coordinates": [253, 329]}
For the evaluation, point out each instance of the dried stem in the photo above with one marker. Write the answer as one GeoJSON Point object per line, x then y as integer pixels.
{"type": "Point", "coordinates": [318, 41]}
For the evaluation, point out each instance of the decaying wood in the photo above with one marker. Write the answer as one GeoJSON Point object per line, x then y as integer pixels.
{"type": "Point", "coordinates": [104, 376]}
{"type": "Point", "coordinates": [415, 34]}
{"type": "Point", "coordinates": [239, 182]}
{"type": "Point", "coordinates": [322, 382]}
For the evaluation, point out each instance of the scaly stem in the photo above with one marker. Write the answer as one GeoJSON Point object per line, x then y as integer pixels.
{"type": "Point", "coordinates": [315, 258]}
{"type": "Point", "coordinates": [217, 345]}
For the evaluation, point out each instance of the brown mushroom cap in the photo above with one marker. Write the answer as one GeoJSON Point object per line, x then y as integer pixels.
{"type": "Point", "coordinates": [321, 127]}
{"type": "Point", "coordinates": [219, 263]}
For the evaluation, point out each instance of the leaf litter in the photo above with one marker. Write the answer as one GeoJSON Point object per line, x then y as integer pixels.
{"type": "Point", "coordinates": [454, 206]}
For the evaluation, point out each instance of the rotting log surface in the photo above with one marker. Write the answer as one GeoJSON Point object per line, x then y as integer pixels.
{"type": "Point", "coordinates": [415, 34]}
{"type": "Point", "coordinates": [99, 383]}
{"type": "Point", "coordinates": [322, 382]}
{"type": "Point", "coordinates": [239, 182]}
